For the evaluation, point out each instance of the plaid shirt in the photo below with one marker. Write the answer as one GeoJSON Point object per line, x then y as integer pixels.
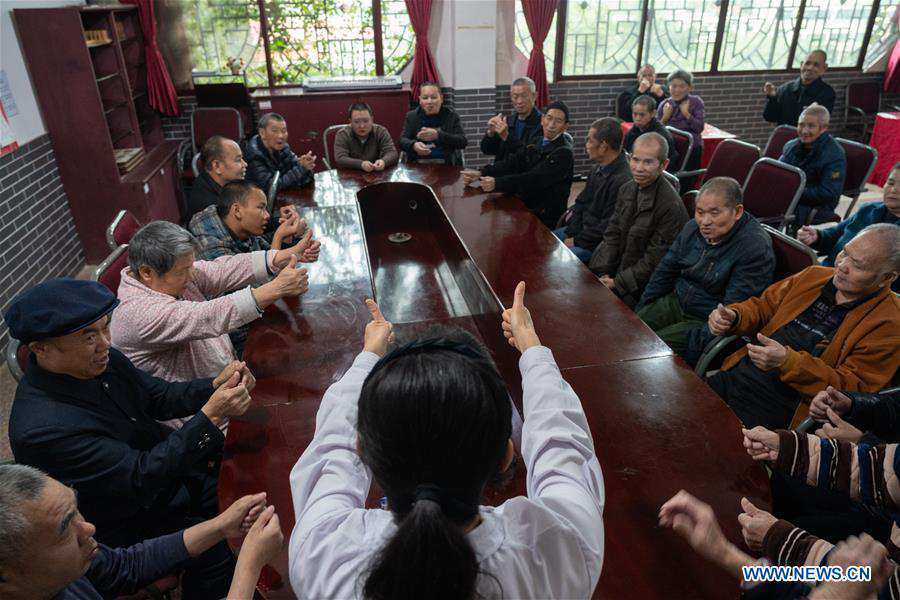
{"type": "Point", "coordinates": [217, 240]}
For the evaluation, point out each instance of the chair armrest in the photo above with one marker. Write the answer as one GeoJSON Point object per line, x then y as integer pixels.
{"type": "Point", "coordinates": [694, 173]}
{"type": "Point", "coordinates": [713, 348]}
{"type": "Point", "coordinates": [857, 110]}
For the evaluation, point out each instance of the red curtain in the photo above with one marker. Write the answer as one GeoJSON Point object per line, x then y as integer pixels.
{"type": "Point", "coordinates": [539, 16]}
{"type": "Point", "coordinates": [160, 90]}
{"type": "Point", "coordinates": [892, 73]}
{"type": "Point", "coordinates": [423, 61]}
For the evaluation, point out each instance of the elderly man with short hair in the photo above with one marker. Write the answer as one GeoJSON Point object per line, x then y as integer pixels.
{"type": "Point", "coordinates": [649, 214]}
{"type": "Point", "coordinates": [222, 162]}
{"type": "Point", "coordinates": [645, 85]}
{"type": "Point", "coordinates": [595, 204]}
{"type": "Point", "coordinates": [643, 111]}
{"type": "Point", "coordinates": [784, 104]}
{"type": "Point", "coordinates": [722, 255]}
{"type": "Point", "coordinates": [823, 326]}
{"type": "Point", "coordinates": [84, 414]}
{"type": "Point", "coordinates": [168, 327]}
{"type": "Point", "coordinates": [506, 134]}
{"type": "Point", "coordinates": [817, 154]}
{"type": "Point", "coordinates": [268, 152]}
{"type": "Point", "coordinates": [49, 551]}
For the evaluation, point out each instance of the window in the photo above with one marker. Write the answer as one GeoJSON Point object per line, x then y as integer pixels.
{"type": "Point", "coordinates": [523, 40]}
{"type": "Point", "coordinates": [680, 34]}
{"type": "Point", "coordinates": [758, 34]}
{"type": "Point", "coordinates": [884, 33]}
{"type": "Point", "coordinates": [306, 37]}
{"type": "Point", "coordinates": [602, 37]}
{"type": "Point", "coordinates": [835, 27]}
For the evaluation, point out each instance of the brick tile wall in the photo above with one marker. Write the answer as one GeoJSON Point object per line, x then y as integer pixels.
{"type": "Point", "coordinates": [180, 127]}
{"type": "Point", "coordinates": [38, 240]}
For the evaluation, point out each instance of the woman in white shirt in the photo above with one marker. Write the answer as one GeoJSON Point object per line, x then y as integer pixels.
{"type": "Point", "coordinates": [431, 421]}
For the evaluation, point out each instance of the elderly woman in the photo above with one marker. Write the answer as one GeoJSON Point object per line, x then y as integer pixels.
{"type": "Point", "coordinates": [166, 325]}
{"type": "Point", "coordinates": [432, 132]}
{"type": "Point", "coordinates": [684, 110]}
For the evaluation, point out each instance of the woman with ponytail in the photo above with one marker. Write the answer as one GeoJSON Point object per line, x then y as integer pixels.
{"type": "Point", "coordinates": [430, 420]}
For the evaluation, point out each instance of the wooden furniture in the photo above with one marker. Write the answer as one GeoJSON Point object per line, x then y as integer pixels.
{"type": "Point", "coordinates": [308, 114]}
{"type": "Point", "coordinates": [657, 427]}
{"type": "Point", "coordinates": [94, 101]}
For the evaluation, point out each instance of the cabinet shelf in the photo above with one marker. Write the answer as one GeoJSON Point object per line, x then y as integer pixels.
{"type": "Point", "coordinates": [103, 78]}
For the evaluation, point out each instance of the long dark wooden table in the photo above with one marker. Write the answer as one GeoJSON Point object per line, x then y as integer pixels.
{"type": "Point", "coordinates": [657, 427]}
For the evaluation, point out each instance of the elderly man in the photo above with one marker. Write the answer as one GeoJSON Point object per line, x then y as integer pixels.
{"type": "Point", "coordinates": [817, 154]}
{"type": "Point", "coordinates": [649, 214]}
{"type": "Point", "coordinates": [595, 204]}
{"type": "Point", "coordinates": [268, 152]}
{"type": "Point", "coordinates": [644, 86]}
{"type": "Point", "coordinates": [643, 110]}
{"type": "Point", "coordinates": [49, 550]}
{"type": "Point", "coordinates": [505, 135]}
{"type": "Point", "coordinates": [363, 144]}
{"type": "Point", "coordinates": [87, 416]}
{"type": "Point", "coordinates": [222, 162]}
{"type": "Point", "coordinates": [540, 172]}
{"type": "Point", "coordinates": [722, 255]}
{"type": "Point", "coordinates": [832, 240]}
{"type": "Point", "coordinates": [784, 105]}
{"type": "Point", "coordinates": [823, 326]}
{"type": "Point", "coordinates": [165, 323]}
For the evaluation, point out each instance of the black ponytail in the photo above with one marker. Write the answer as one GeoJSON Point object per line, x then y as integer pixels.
{"type": "Point", "coordinates": [434, 424]}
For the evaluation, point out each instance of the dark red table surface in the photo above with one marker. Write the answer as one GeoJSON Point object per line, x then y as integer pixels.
{"type": "Point", "coordinates": [657, 427]}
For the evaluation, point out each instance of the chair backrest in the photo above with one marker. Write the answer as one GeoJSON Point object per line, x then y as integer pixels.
{"type": "Point", "coordinates": [684, 143]}
{"type": "Point", "coordinates": [195, 164]}
{"type": "Point", "coordinates": [772, 190]}
{"type": "Point", "coordinates": [17, 358]}
{"type": "Point", "coordinates": [791, 256]}
{"type": "Point", "coordinates": [122, 228]}
{"type": "Point", "coordinates": [328, 137]}
{"type": "Point", "coordinates": [675, 183]}
{"type": "Point", "coordinates": [864, 95]}
{"type": "Point", "coordinates": [781, 135]}
{"type": "Point", "coordinates": [272, 192]}
{"type": "Point", "coordinates": [207, 122]}
{"type": "Point", "coordinates": [109, 272]}
{"type": "Point", "coordinates": [690, 201]}
{"type": "Point", "coordinates": [861, 161]}
{"type": "Point", "coordinates": [732, 158]}
{"type": "Point", "coordinates": [623, 106]}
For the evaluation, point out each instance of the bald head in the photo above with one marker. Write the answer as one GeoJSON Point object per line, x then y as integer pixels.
{"type": "Point", "coordinates": [884, 239]}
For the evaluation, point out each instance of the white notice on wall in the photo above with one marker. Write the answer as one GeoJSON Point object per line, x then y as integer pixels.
{"type": "Point", "coordinates": [6, 96]}
{"type": "Point", "coordinates": [265, 105]}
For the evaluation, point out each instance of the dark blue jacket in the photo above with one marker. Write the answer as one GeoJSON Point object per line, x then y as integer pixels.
{"type": "Point", "coordinates": [492, 145]}
{"type": "Point", "coordinates": [101, 436]}
{"type": "Point", "coordinates": [792, 97]}
{"type": "Point", "coordinates": [825, 166]}
{"type": "Point", "coordinates": [702, 275]}
{"type": "Point", "coordinates": [119, 571]}
{"type": "Point", "coordinates": [262, 165]}
{"type": "Point", "coordinates": [832, 240]}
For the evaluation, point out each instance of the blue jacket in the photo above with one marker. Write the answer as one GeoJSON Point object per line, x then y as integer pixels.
{"type": "Point", "coordinates": [702, 275]}
{"type": "Point", "coordinates": [262, 164]}
{"type": "Point", "coordinates": [832, 240]}
{"type": "Point", "coordinates": [825, 166]}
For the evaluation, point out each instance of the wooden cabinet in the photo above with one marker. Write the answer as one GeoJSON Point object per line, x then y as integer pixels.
{"type": "Point", "coordinates": [94, 101]}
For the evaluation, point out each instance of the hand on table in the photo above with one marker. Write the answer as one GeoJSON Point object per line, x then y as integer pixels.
{"type": "Point", "coordinates": [470, 175]}
{"type": "Point", "coordinates": [767, 356]}
{"type": "Point", "coordinates": [367, 166]}
{"type": "Point", "coordinates": [761, 443]}
{"type": "Point", "coordinates": [517, 326]}
{"type": "Point", "coordinates": [608, 281]}
{"type": "Point", "coordinates": [421, 149]}
{"type": "Point", "coordinates": [829, 397]}
{"type": "Point", "coordinates": [721, 320]}
{"type": "Point", "coordinates": [379, 331]}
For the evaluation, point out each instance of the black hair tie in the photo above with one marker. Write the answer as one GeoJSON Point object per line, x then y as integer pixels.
{"type": "Point", "coordinates": [428, 491]}
{"type": "Point", "coordinates": [450, 506]}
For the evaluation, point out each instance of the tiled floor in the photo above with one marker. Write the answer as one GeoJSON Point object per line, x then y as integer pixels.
{"type": "Point", "coordinates": [8, 384]}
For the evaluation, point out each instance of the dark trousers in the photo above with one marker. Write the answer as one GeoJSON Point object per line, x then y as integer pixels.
{"type": "Point", "coordinates": [683, 333]}
{"type": "Point", "coordinates": [583, 254]}
{"type": "Point", "coordinates": [750, 406]}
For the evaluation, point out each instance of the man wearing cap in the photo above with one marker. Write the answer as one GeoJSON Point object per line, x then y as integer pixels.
{"type": "Point", "coordinates": [85, 415]}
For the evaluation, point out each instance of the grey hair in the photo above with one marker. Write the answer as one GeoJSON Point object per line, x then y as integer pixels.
{"type": "Point", "coordinates": [682, 74]}
{"type": "Point", "coordinates": [818, 111]}
{"type": "Point", "coordinates": [270, 118]}
{"type": "Point", "coordinates": [726, 188]}
{"type": "Point", "coordinates": [888, 235]}
{"type": "Point", "coordinates": [18, 484]}
{"type": "Point", "coordinates": [158, 245]}
{"type": "Point", "coordinates": [652, 136]}
{"type": "Point", "coordinates": [525, 81]}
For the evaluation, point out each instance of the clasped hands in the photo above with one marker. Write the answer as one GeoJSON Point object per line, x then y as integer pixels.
{"type": "Point", "coordinates": [470, 176]}
{"type": "Point", "coordinates": [425, 134]}
{"type": "Point", "coordinates": [497, 125]}
{"type": "Point", "coordinates": [378, 165]}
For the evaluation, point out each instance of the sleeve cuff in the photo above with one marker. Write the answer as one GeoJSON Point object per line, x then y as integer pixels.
{"type": "Point", "coordinates": [535, 355]}
{"type": "Point", "coordinates": [246, 305]}
{"type": "Point", "coordinates": [260, 261]}
{"type": "Point", "coordinates": [366, 360]}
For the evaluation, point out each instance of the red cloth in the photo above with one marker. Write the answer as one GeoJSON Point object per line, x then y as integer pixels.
{"type": "Point", "coordinates": [539, 17]}
{"type": "Point", "coordinates": [886, 140]}
{"type": "Point", "coordinates": [160, 90]}
{"type": "Point", "coordinates": [892, 73]}
{"type": "Point", "coordinates": [423, 61]}
{"type": "Point", "coordinates": [712, 137]}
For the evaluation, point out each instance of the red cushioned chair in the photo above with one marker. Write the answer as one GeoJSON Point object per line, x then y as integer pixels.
{"type": "Point", "coordinates": [17, 358]}
{"type": "Point", "coordinates": [328, 137]}
{"type": "Point", "coordinates": [109, 272]}
{"type": "Point", "coordinates": [209, 121]}
{"type": "Point", "coordinates": [861, 161]}
{"type": "Point", "coordinates": [781, 135]}
{"type": "Point", "coordinates": [122, 228]}
{"type": "Point", "coordinates": [772, 190]}
{"type": "Point", "coordinates": [863, 99]}
{"type": "Point", "coordinates": [732, 158]}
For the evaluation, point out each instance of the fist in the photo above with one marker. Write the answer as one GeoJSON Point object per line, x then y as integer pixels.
{"type": "Point", "coordinates": [367, 166]}
{"type": "Point", "coordinates": [308, 161]}
{"type": "Point", "coordinates": [829, 398]}
{"type": "Point", "coordinates": [769, 88]}
{"type": "Point", "coordinates": [421, 149]}
{"type": "Point", "coordinates": [808, 235]}
{"type": "Point", "coordinates": [379, 165]}
{"type": "Point", "coordinates": [761, 443]}
{"type": "Point", "coordinates": [488, 184]}
{"type": "Point", "coordinates": [721, 320]}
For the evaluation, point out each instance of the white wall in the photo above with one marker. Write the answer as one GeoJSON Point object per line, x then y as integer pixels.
{"type": "Point", "coordinates": [463, 38]}
{"type": "Point", "coordinates": [28, 124]}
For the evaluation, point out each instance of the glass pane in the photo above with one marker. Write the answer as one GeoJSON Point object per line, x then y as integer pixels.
{"type": "Point", "coordinates": [218, 30]}
{"type": "Point", "coordinates": [398, 40]}
{"type": "Point", "coordinates": [681, 34]}
{"type": "Point", "coordinates": [758, 34]}
{"type": "Point", "coordinates": [835, 27]}
{"type": "Point", "coordinates": [602, 37]}
{"type": "Point", "coordinates": [523, 40]}
{"type": "Point", "coordinates": [884, 32]}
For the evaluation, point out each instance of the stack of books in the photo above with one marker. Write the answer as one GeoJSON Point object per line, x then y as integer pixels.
{"type": "Point", "coordinates": [128, 158]}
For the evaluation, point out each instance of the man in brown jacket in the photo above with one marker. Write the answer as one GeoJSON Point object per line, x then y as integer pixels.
{"type": "Point", "coordinates": [823, 326]}
{"type": "Point", "coordinates": [363, 144]}
{"type": "Point", "coordinates": [648, 216]}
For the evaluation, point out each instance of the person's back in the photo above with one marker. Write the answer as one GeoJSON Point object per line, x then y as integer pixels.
{"type": "Point", "coordinates": [448, 435]}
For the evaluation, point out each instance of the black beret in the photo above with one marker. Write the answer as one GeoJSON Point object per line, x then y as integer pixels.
{"type": "Point", "coordinates": [58, 307]}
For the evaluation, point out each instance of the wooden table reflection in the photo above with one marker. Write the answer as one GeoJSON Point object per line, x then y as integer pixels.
{"type": "Point", "coordinates": [656, 426]}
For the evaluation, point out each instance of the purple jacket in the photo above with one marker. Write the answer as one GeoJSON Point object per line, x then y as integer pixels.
{"type": "Point", "coordinates": [693, 125]}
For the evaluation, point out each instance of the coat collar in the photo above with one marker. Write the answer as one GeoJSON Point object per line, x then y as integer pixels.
{"type": "Point", "coordinates": [646, 197]}
{"type": "Point", "coordinates": [68, 389]}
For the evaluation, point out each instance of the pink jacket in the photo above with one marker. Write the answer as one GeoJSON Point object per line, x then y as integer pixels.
{"type": "Point", "coordinates": [179, 339]}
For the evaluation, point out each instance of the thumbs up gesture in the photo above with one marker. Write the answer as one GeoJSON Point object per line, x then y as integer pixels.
{"type": "Point", "coordinates": [518, 328]}
{"type": "Point", "coordinates": [721, 320]}
{"type": "Point", "coordinates": [755, 524]}
{"type": "Point", "coordinates": [379, 331]}
{"type": "Point", "coordinates": [767, 356]}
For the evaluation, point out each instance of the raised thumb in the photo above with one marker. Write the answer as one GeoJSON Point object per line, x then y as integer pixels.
{"type": "Point", "coordinates": [519, 296]}
{"type": "Point", "coordinates": [292, 261]}
{"type": "Point", "coordinates": [764, 340]}
{"type": "Point", "coordinates": [748, 507]}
